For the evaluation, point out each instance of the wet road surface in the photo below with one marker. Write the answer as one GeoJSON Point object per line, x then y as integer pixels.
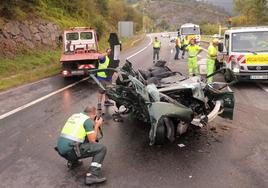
{"type": "Point", "coordinates": [234, 155]}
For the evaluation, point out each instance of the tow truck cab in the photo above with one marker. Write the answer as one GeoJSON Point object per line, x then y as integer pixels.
{"type": "Point", "coordinates": [246, 53]}
{"type": "Point", "coordinates": [80, 51]}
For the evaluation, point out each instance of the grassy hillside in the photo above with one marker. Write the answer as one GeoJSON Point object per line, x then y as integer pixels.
{"type": "Point", "coordinates": [30, 65]}
{"type": "Point", "coordinates": [170, 14]}
{"type": "Point", "coordinates": [100, 14]}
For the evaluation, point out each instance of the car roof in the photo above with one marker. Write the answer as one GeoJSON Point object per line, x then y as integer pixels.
{"type": "Point", "coordinates": [246, 29]}
{"type": "Point", "coordinates": [189, 25]}
{"type": "Point", "coordinates": [79, 29]}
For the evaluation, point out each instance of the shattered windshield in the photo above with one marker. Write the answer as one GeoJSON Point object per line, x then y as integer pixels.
{"type": "Point", "coordinates": [250, 42]}
{"type": "Point", "coordinates": [190, 31]}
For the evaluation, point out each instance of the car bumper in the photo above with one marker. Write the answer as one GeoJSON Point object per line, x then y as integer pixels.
{"type": "Point", "coordinates": [76, 72]}
{"type": "Point", "coordinates": [245, 76]}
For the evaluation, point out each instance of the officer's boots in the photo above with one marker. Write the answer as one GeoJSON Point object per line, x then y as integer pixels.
{"type": "Point", "coordinates": [93, 179]}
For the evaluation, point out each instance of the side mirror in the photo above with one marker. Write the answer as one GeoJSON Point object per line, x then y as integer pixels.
{"type": "Point", "coordinates": [221, 47]}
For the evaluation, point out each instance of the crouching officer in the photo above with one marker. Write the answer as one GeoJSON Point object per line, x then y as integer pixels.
{"type": "Point", "coordinates": [78, 141]}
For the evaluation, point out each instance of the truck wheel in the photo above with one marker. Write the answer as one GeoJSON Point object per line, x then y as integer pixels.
{"type": "Point", "coordinates": [161, 132]}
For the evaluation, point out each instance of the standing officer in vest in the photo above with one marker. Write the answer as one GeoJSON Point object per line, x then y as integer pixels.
{"type": "Point", "coordinates": [156, 48]}
{"type": "Point", "coordinates": [185, 43]}
{"type": "Point", "coordinates": [177, 47]}
{"type": "Point", "coordinates": [78, 141]}
{"type": "Point", "coordinates": [211, 57]}
{"type": "Point", "coordinates": [105, 79]}
{"type": "Point", "coordinates": [193, 50]}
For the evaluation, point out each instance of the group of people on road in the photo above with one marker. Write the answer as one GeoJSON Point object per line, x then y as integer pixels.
{"type": "Point", "coordinates": [193, 49]}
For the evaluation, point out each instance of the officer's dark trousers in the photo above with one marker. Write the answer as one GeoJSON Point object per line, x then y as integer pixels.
{"type": "Point", "coordinates": [183, 50]}
{"type": "Point", "coordinates": [95, 150]}
{"type": "Point", "coordinates": [177, 52]}
{"type": "Point", "coordinates": [156, 53]}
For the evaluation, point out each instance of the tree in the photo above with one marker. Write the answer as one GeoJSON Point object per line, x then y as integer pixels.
{"type": "Point", "coordinates": [164, 25]}
{"type": "Point", "coordinates": [252, 12]}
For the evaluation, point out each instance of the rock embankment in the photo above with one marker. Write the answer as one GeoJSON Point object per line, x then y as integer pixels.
{"type": "Point", "coordinates": [16, 36]}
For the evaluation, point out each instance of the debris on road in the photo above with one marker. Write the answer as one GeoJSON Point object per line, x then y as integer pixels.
{"type": "Point", "coordinates": [181, 145]}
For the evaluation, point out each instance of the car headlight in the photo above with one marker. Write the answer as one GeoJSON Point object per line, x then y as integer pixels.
{"type": "Point", "coordinates": [236, 68]}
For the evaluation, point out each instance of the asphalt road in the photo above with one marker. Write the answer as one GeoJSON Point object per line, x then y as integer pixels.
{"type": "Point", "coordinates": [235, 155]}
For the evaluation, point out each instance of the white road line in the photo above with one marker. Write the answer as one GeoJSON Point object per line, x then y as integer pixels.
{"type": "Point", "coordinates": [60, 90]}
{"type": "Point", "coordinates": [141, 49]}
{"type": "Point", "coordinates": [23, 86]}
{"type": "Point", "coordinates": [39, 100]}
{"type": "Point", "coordinates": [263, 87]}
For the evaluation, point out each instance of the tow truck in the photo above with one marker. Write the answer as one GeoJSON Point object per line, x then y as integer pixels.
{"type": "Point", "coordinates": [80, 51]}
{"type": "Point", "coordinates": [246, 53]}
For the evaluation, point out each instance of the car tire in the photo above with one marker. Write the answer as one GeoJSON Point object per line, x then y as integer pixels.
{"type": "Point", "coordinates": [161, 132]}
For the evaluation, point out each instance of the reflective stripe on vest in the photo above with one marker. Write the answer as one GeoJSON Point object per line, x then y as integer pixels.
{"type": "Point", "coordinates": [193, 50]}
{"type": "Point", "coordinates": [74, 128]}
{"type": "Point", "coordinates": [104, 65]}
{"type": "Point", "coordinates": [157, 44]}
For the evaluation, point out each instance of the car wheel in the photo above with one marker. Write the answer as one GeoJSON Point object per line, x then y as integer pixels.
{"type": "Point", "coordinates": [161, 132]}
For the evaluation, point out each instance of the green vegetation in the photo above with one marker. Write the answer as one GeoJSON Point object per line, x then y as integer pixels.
{"type": "Point", "coordinates": [27, 67]}
{"type": "Point", "coordinates": [251, 12]}
{"type": "Point", "coordinates": [34, 65]}
{"type": "Point", "coordinates": [209, 29]}
{"type": "Point", "coordinates": [100, 14]}
{"type": "Point", "coordinates": [30, 65]}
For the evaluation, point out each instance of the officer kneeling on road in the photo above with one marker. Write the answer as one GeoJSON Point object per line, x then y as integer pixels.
{"type": "Point", "coordinates": [78, 140]}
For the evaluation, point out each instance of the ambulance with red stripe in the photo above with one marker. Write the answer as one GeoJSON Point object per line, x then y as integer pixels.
{"type": "Point", "coordinates": [80, 51]}
{"type": "Point", "coordinates": [246, 53]}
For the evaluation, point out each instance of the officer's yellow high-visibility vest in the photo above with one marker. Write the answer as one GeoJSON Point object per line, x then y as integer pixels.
{"type": "Point", "coordinates": [104, 65]}
{"type": "Point", "coordinates": [185, 41]}
{"type": "Point", "coordinates": [178, 42]}
{"type": "Point", "coordinates": [193, 50]}
{"type": "Point", "coordinates": [74, 128]}
{"type": "Point", "coordinates": [212, 52]}
{"type": "Point", "coordinates": [157, 44]}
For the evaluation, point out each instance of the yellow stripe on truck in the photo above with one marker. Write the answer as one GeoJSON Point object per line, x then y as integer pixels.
{"type": "Point", "coordinates": [192, 37]}
{"type": "Point", "coordinates": [257, 59]}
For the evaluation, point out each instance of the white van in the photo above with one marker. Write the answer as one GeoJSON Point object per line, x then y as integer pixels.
{"type": "Point", "coordinates": [191, 31]}
{"type": "Point", "coordinates": [246, 53]}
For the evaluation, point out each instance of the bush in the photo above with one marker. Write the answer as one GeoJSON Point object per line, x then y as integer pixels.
{"type": "Point", "coordinates": [209, 29]}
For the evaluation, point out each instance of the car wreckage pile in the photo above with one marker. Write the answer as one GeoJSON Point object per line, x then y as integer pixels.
{"type": "Point", "coordinates": [168, 101]}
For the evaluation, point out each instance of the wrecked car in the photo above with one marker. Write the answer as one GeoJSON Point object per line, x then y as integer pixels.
{"type": "Point", "coordinates": [169, 102]}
